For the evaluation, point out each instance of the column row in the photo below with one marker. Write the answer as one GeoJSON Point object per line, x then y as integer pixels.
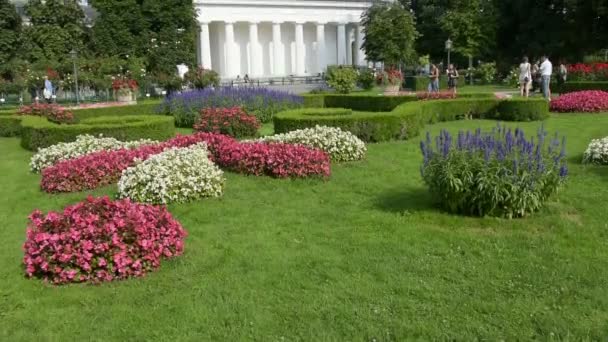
{"type": "Point", "coordinates": [278, 58]}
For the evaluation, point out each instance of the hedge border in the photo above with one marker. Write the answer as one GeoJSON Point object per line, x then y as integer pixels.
{"type": "Point", "coordinates": [570, 87]}
{"type": "Point", "coordinates": [406, 120]}
{"type": "Point", "coordinates": [10, 125]}
{"type": "Point", "coordinates": [38, 132]}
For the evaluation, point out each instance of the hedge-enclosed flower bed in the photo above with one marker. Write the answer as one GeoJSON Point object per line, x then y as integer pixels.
{"type": "Point", "coordinates": [500, 173]}
{"type": "Point", "coordinates": [233, 121]}
{"type": "Point", "coordinates": [175, 175]}
{"type": "Point", "coordinates": [53, 112]}
{"type": "Point", "coordinates": [84, 144]}
{"type": "Point", "coordinates": [597, 152]}
{"type": "Point", "coordinates": [341, 145]}
{"type": "Point", "coordinates": [99, 240]}
{"type": "Point", "coordinates": [581, 101]}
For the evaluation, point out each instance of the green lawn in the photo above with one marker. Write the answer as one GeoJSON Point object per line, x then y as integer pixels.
{"type": "Point", "coordinates": [364, 256]}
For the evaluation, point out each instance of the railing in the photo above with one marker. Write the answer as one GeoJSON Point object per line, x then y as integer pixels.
{"type": "Point", "coordinates": [260, 82]}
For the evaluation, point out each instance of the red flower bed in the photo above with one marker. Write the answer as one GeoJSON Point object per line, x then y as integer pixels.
{"type": "Point", "coordinates": [233, 121]}
{"type": "Point", "coordinates": [588, 72]}
{"type": "Point", "coordinates": [124, 83]}
{"type": "Point", "coordinates": [424, 95]}
{"type": "Point", "coordinates": [52, 112]}
{"type": "Point", "coordinates": [100, 240]}
{"type": "Point", "coordinates": [105, 167]}
{"type": "Point", "coordinates": [581, 101]}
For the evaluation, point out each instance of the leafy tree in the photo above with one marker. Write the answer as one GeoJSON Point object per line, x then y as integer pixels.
{"type": "Point", "coordinates": [118, 28]}
{"type": "Point", "coordinates": [10, 32]}
{"type": "Point", "coordinates": [390, 33]}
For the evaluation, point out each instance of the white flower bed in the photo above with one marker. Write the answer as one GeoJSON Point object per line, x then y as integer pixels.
{"type": "Point", "coordinates": [341, 145]}
{"type": "Point", "coordinates": [175, 175]}
{"type": "Point", "coordinates": [597, 152]}
{"type": "Point", "coordinates": [84, 144]}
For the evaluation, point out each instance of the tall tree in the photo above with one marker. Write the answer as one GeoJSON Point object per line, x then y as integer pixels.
{"type": "Point", "coordinates": [390, 33]}
{"type": "Point", "coordinates": [118, 27]}
{"type": "Point", "coordinates": [10, 32]}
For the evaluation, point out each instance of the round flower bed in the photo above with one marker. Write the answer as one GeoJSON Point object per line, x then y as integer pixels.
{"type": "Point", "coordinates": [234, 122]}
{"type": "Point", "coordinates": [341, 145]}
{"type": "Point", "coordinates": [99, 240]}
{"type": "Point", "coordinates": [581, 101]}
{"type": "Point", "coordinates": [597, 152]}
{"type": "Point", "coordinates": [175, 175]}
{"type": "Point", "coordinates": [84, 144]}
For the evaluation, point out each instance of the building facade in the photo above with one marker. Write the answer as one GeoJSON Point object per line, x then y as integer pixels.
{"type": "Point", "coordinates": [275, 38]}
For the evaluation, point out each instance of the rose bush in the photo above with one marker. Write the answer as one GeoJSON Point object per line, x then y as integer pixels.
{"type": "Point", "coordinates": [175, 175]}
{"type": "Point", "coordinates": [588, 72]}
{"type": "Point", "coordinates": [233, 121]}
{"type": "Point", "coordinates": [53, 112]}
{"type": "Point", "coordinates": [99, 240]}
{"type": "Point", "coordinates": [597, 152]}
{"type": "Point", "coordinates": [84, 144]}
{"type": "Point", "coordinates": [342, 146]}
{"type": "Point", "coordinates": [581, 101]}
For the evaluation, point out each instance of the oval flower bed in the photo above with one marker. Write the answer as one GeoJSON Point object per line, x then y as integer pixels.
{"type": "Point", "coordinates": [175, 175]}
{"type": "Point", "coordinates": [100, 240]}
{"type": "Point", "coordinates": [581, 101]}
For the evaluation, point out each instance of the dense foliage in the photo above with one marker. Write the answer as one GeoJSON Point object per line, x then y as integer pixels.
{"type": "Point", "coordinates": [99, 240]}
{"type": "Point", "coordinates": [581, 101]}
{"type": "Point", "coordinates": [10, 34]}
{"type": "Point", "coordinates": [201, 78]}
{"type": "Point", "coordinates": [342, 79]}
{"type": "Point", "coordinates": [366, 79]}
{"type": "Point", "coordinates": [500, 173]}
{"type": "Point", "coordinates": [234, 122]}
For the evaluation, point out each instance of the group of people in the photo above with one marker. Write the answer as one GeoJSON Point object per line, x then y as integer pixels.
{"type": "Point", "coordinates": [434, 74]}
{"type": "Point", "coordinates": [533, 76]}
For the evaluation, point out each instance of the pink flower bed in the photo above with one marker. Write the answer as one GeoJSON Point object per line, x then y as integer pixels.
{"type": "Point", "coordinates": [105, 167]}
{"type": "Point", "coordinates": [233, 121]}
{"type": "Point", "coordinates": [99, 240]}
{"type": "Point", "coordinates": [52, 112]}
{"type": "Point", "coordinates": [581, 101]}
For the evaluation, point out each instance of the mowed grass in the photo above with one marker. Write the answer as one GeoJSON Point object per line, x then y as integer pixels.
{"type": "Point", "coordinates": [364, 256]}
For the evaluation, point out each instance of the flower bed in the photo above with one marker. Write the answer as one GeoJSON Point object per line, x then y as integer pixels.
{"type": "Point", "coordinates": [175, 175]}
{"type": "Point", "coordinates": [52, 112]}
{"type": "Point", "coordinates": [99, 240]}
{"type": "Point", "coordinates": [341, 145]}
{"type": "Point", "coordinates": [84, 144]}
{"type": "Point", "coordinates": [581, 101]}
{"type": "Point", "coordinates": [500, 173]}
{"type": "Point", "coordinates": [588, 72]}
{"type": "Point", "coordinates": [597, 152]}
{"type": "Point", "coordinates": [425, 95]}
{"type": "Point", "coordinates": [233, 121]}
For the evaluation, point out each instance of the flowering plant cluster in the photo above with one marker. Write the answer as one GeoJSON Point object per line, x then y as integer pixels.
{"type": "Point", "coordinates": [500, 173]}
{"type": "Point", "coordinates": [52, 112]}
{"type": "Point", "coordinates": [341, 145]}
{"type": "Point", "coordinates": [391, 77]}
{"type": "Point", "coordinates": [84, 144]}
{"type": "Point", "coordinates": [234, 122]}
{"type": "Point", "coordinates": [597, 152]}
{"type": "Point", "coordinates": [581, 101]}
{"type": "Point", "coordinates": [588, 72]}
{"type": "Point", "coordinates": [425, 95]}
{"type": "Point", "coordinates": [261, 102]}
{"type": "Point", "coordinates": [175, 175]}
{"type": "Point", "coordinates": [99, 240]}
{"type": "Point", "coordinates": [124, 83]}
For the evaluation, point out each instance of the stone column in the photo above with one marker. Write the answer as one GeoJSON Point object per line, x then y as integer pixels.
{"type": "Point", "coordinates": [300, 50]}
{"type": "Point", "coordinates": [277, 50]}
{"type": "Point", "coordinates": [230, 50]}
{"type": "Point", "coordinates": [360, 57]}
{"type": "Point", "coordinates": [321, 56]}
{"type": "Point", "coordinates": [205, 46]}
{"type": "Point", "coordinates": [341, 42]}
{"type": "Point", "coordinates": [255, 60]}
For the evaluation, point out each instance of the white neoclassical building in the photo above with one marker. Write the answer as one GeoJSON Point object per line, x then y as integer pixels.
{"type": "Point", "coordinates": [273, 38]}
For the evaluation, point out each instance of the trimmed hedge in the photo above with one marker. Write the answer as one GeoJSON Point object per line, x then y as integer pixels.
{"type": "Point", "coordinates": [138, 109]}
{"type": "Point", "coordinates": [570, 87]}
{"type": "Point", "coordinates": [10, 125]}
{"type": "Point", "coordinates": [405, 120]}
{"type": "Point", "coordinates": [37, 132]}
{"type": "Point", "coordinates": [421, 83]}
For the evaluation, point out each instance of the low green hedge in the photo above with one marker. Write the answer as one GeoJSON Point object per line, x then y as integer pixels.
{"type": "Point", "coordinates": [10, 125]}
{"type": "Point", "coordinates": [368, 103]}
{"type": "Point", "coordinates": [137, 109]}
{"type": "Point", "coordinates": [406, 119]}
{"type": "Point", "coordinates": [421, 83]}
{"type": "Point", "coordinates": [38, 132]}
{"type": "Point", "coordinates": [570, 87]}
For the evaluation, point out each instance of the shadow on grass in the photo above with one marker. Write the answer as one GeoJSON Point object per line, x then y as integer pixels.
{"type": "Point", "coordinates": [406, 199]}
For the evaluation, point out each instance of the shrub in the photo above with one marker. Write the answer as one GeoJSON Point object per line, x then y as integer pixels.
{"type": "Point", "coordinates": [201, 78]}
{"type": "Point", "coordinates": [10, 126]}
{"type": "Point", "coordinates": [341, 146]}
{"type": "Point", "coordinates": [342, 79]}
{"type": "Point", "coordinates": [597, 152]}
{"type": "Point", "coordinates": [570, 86]}
{"type": "Point", "coordinates": [38, 133]}
{"type": "Point", "coordinates": [130, 110]}
{"type": "Point", "coordinates": [391, 77]}
{"type": "Point", "coordinates": [499, 173]}
{"type": "Point", "coordinates": [486, 72]}
{"type": "Point", "coordinates": [234, 122]}
{"type": "Point", "coordinates": [425, 95]}
{"type": "Point", "coordinates": [366, 79]}
{"type": "Point", "coordinates": [175, 175]}
{"type": "Point", "coordinates": [581, 101]}
{"type": "Point", "coordinates": [261, 102]}
{"type": "Point", "coordinates": [84, 144]}
{"type": "Point", "coordinates": [367, 103]}
{"type": "Point", "coordinates": [99, 240]}
{"type": "Point", "coordinates": [52, 112]}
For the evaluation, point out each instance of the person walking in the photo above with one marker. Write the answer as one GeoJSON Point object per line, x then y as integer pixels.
{"type": "Point", "coordinates": [525, 77]}
{"type": "Point", "coordinates": [546, 70]}
{"type": "Point", "coordinates": [452, 73]}
{"type": "Point", "coordinates": [434, 79]}
{"type": "Point", "coordinates": [47, 93]}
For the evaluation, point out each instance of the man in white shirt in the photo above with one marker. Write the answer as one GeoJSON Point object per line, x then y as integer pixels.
{"type": "Point", "coordinates": [546, 69]}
